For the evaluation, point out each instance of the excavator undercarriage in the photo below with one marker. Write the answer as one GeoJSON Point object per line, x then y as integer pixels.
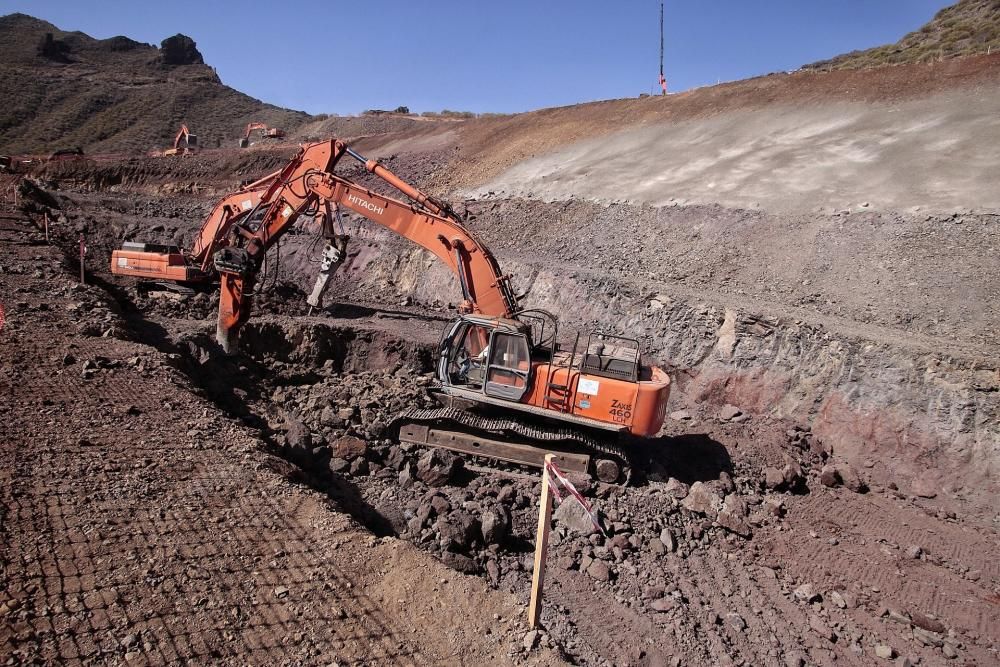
{"type": "Point", "coordinates": [514, 439]}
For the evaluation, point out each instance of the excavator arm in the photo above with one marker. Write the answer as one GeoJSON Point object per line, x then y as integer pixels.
{"type": "Point", "coordinates": [155, 262]}
{"type": "Point", "coordinates": [306, 182]}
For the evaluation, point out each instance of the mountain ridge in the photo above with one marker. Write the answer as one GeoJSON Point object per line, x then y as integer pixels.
{"type": "Point", "coordinates": [69, 89]}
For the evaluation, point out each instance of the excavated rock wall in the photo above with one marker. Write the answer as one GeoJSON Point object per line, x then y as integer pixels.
{"type": "Point", "coordinates": [916, 410]}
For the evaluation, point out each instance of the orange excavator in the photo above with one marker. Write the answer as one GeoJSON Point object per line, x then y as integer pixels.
{"type": "Point", "coordinates": [190, 143]}
{"type": "Point", "coordinates": [506, 387]}
{"type": "Point", "coordinates": [265, 131]}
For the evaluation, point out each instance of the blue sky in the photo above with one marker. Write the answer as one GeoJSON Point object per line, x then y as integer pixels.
{"type": "Point", "coordinates": [344, 57]}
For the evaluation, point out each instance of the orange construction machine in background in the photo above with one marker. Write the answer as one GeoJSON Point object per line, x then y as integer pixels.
{"type": "Point", "coordinates": [185, 143]}
{"type": "Point", "coordinates": [265, 132]}
{"type": "Point", "coordinates": [507, 387]}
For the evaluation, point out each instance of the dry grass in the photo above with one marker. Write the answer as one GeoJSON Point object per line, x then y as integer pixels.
{"type": "Point", "coordinates": [965, 28]}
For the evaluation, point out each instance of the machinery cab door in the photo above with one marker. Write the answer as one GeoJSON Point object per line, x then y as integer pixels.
{"type": "Point", "coordinates": [464, 354]}
{"type": "Point", "coordinates": [508, 374]}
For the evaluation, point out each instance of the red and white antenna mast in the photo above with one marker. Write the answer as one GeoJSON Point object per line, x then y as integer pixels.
{"type": "Point", "coordinates": [663, 80]}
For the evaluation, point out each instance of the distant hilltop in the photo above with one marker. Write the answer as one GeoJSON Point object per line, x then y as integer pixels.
{"type": "Point", "coordinates": [965, 28]}
{"type": "Point", "coordinates": [68, 89]}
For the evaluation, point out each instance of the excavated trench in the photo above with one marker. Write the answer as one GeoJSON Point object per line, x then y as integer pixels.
{"type": "Point", "coordinates": [321, 394]}
{"type": "Point", "coordinates": [913, 398]}
{"type": "Point", "coordinates": [320, 391]}
{"type": "Point", "coordinates": [881, 374]}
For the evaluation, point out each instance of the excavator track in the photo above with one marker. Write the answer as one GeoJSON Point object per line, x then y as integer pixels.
{"type": "Point", "coordinates": [535, 432]}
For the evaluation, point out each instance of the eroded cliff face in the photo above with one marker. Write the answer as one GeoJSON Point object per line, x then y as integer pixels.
{"type": "Point", "coordinates": [912, 407]}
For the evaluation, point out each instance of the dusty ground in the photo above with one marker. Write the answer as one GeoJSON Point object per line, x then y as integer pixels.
{"type": "Point", "coordinates": [853, 344]}
{"type": "Point", "coordinates": [141, 525]}
{"type": "Point", "coordinates": [841, 155]}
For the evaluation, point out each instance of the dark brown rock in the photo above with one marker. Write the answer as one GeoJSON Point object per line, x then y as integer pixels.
{"type": "Point", "coordinates": [437, 467]}
{"type": "Point", "coordinates": [349, 447]}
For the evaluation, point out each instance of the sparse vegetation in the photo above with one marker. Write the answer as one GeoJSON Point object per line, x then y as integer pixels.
{"type": "Point", "coordinates": [448, 113]}
{"type": "Point", "coordinates": [66, 88]}
{"type": "Point", "coordinates": [965, 28]}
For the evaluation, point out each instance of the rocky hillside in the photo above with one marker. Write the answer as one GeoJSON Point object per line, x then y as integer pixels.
{"type": "Point", "coordinates": [66, 89]}
{"type": "Point", "coordinates": [965, 28]}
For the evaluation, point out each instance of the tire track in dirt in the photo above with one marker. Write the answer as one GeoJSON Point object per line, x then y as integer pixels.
{"type": "Point", "coordinates": [611, 630]}
{"type": "Point", "coordinates": [140, 525]}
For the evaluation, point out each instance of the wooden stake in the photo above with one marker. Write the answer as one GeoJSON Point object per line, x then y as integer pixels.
{"type": "Point", "coordinates": [83, 251]}
{"type": "Point", "coordinates": [46, 227]}
{"type": "Point", "coordinates": [541, 548]}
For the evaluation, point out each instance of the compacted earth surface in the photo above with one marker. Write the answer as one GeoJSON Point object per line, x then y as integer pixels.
{"type": "Point", "coordinates": [142, 524]}
{"type": "Point", "coordinates": [823, 491]}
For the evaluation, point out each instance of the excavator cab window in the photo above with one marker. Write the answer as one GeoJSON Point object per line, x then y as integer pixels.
{"type": "Point", "coordinates": [467, 362]}
{"type": "Point", "coordinates": [510, 366]}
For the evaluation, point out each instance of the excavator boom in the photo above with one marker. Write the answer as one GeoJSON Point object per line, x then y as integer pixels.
{"type": "Point", "coordinates": [308, 180]}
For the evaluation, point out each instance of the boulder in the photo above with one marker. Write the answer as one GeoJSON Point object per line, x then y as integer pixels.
{"type": "Point", "coordinates": [439, 503]}
{"type": "Point", "coordinates": [806, 593]}
{"type": "Point", "coordinates": [668, 540]}
{"type": "Point", "coordinates": [735, 505]}
{"type": "Point", "coordinates": [851, 478]}
{"type": "Point", "coordinates": [828, 476]}
{"type": "Point", "coordinates": [773, 479]}
{"type": "Point", "coordinates": [437, 467]}
{"type": "Point", "coordinates": [793, 476]}
{"type": "Point", "coordinates": [298, 436]}
{"type": "Point", "coordinates": [599, 570]}
{"type": "Point", "coordinates": [677, 488]}
{"type": "Point", "coordinates": [459, 528]}
{"type": "Point", "coordinates": [571, 515]}
{"type": "Point", "coordinates": [733, 523]}
{"type": "Point", "coordinates": [495, 525]}
{"type": "Point", "coordinates": [459, 562]}
{"type": "Point", "coordinates": [728, 412]}
{"type": "Point", "coordinates": [339, 465]}
{"type": "Point", "coordinates": [927, 622]}
{"type": "Point", "coordinates": [736, 621]}
{"type": "Point", "coordinates": [349, 447]}
{"type": "Point", "coordinates": [702, 500]}
{"type": "Point", "coordinates": [662, 605]}
{"type": "Point", "coordinates": [359, 467]}
{"type": "Point", "coordinates": [493, 572]}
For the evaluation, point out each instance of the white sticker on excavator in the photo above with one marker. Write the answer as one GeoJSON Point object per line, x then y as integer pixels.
{"type": "Point", "coordinates": [246, 204]}
{"type": "Point", "coordinates": [586, 386]}
{"type": "Point", "coordinates": [286, 212]}
{"type": "Point", "coordinates": [122, 262]}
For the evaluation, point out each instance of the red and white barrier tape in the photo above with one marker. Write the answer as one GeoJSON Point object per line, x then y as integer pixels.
{"type": "Point", "coordinates": [555, 478]}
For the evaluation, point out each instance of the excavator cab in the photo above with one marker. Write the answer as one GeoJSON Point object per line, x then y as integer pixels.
{"type": "Point", "coordinates": [487, 355]}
